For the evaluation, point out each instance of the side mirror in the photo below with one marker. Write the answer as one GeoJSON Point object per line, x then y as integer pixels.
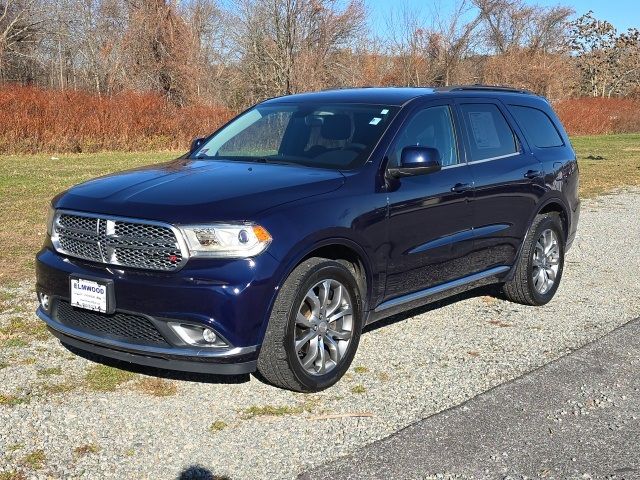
{"type": "Point", "coordinates": [196, 144]}
{"type": "Point", "coordinates": [417, 161]}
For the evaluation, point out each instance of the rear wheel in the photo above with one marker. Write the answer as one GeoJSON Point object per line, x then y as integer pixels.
{"type": "Point", "coordinates": [539, 269]}
{"type": "Point", "coordinates": [314, 329]}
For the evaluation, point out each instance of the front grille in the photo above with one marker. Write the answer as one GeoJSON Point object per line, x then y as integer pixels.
{"type": "Point", "coordinates": [128, 243]}
{"type": "Point", "coordinates": [119, 326]}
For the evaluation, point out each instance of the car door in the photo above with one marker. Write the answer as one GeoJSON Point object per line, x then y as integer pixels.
{"type": "Point", "coordinates": [508, 181]}
{"type": "Point", "coordinates": [429, 215]}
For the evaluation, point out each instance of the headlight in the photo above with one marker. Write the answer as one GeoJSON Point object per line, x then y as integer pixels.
{"type": "Point", "coordinates": [50, 217]}
{"type": "Point", "coordinates": [226, 240]}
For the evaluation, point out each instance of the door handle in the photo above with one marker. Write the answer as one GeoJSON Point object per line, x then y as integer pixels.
{"type": "Point", "coordinates": [461, 187]}
{"type": "Point", "coordinates": [533, 174]}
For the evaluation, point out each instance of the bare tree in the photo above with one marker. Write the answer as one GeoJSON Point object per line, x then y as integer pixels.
{"type": "Point", "coordinates": [610, 62]}
{"type": "Point", "coordinates": [284, 45]}
{"type": "Point", "coordinates": [513, 24]}
{"type": "Point", "coordinates": [19, 29]}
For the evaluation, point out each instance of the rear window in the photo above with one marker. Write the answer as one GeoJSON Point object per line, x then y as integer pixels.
{"type": "Point", "coordinates": [490, 136]}
{"type": "Point", "coordinates": [537, 126]}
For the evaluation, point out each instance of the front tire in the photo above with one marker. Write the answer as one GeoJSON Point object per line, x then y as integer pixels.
{"type": "Point", "coordinates": [314, 328]}
{"type": "Point", "coordinates": [539, 269]}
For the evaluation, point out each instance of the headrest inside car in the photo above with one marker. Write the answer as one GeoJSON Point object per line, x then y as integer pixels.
{"type": "Point", "coordinates": [336, 127]}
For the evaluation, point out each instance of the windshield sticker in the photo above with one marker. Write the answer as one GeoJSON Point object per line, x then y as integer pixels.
{"type": "Point", "coordinates": [375, 121]}
{"type": "Point", "coordinates": [384, 112]}
{"type": "Point", "coordinates": [484, 130]}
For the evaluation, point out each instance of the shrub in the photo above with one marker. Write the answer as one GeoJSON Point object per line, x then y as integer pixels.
{"type": "Point", "coordinates": [597, 116]}
{"type": "Point", "coordinates": [35, 120]}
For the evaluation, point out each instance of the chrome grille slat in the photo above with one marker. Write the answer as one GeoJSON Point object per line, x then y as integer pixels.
{"type": "Point", "coordinates": [119, 241]}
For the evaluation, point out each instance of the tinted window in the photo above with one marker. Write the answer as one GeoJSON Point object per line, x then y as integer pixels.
{"type": "Point", "coordinates": [326, 136]}
{"type": "Point", "coordinates": [537, 126]}
{"type": "Point", "coordinates": [431, 127]}
{"type": "Point", "coordinates": [489, 133]}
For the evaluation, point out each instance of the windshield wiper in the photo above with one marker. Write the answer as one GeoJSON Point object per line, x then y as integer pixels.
{"type": "Point", "coordinates": [239, 158]}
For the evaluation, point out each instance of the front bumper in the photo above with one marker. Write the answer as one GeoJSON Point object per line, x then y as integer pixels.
{"type": "Point", "coordinates": [224, 361]}
{"type": "Point", "coordinates": [232, 297]}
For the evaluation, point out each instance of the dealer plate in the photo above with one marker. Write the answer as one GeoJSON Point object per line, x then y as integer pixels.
{"type": "Point", "coordinates": [89, 294]}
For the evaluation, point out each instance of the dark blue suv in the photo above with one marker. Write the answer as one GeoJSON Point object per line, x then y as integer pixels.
{"type": "Point", "coordinates": [274, 241]}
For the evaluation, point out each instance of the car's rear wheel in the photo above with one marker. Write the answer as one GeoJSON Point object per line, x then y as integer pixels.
{"type": "Point", "coordinates": [539, 269]}
{"type": "Point", "coordinates": [315, 326]}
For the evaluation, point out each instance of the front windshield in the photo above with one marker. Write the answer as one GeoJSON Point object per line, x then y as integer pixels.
{"type": "Point", "coordinates": [338, 136]}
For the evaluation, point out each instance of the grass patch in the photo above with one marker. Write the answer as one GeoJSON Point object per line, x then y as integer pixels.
{"type": "Point", "coordinates": [3, 365]}
{"type": "Point", "coordinates": [14, 343]}
{"type": "Point", "coordinates": [6, 299]}
{"type": "Point", "coordinates": [18, 331]}
{"type": "Point", "coordinates": [35, 459]}
{"type": "Point", "coordinates": [102, 378]}
{"type": "Point", "coordinates": [15, 446]}
{"type": "Point", "coordinates": [87, 449]}
{"type": "Point", "coordinates": [217, 426]}
{"type": "Point", "coordinates": [12, 400]}
{"type": "Point", "coordinates": [361, 369]}
{"type": "Point", "coordinates": [28, 182]}
{"type": "Point", "coordinates": [57, 388]}
{"type": "Point", "coordinates": [157, 387]}
{"type": "Point", "coordinates": [271, 411]}
{"type": "Point", "coordinates": [607, 162]}
{"type": "Point", "coordinates": [12, 475]}
{"type": "Point", "coordinates": [359, 389]}
{"type": "Point", "coordinates": [45, 372]}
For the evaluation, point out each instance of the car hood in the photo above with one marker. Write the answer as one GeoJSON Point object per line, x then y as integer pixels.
{"type": "Point", "coordinates": [191, 191]}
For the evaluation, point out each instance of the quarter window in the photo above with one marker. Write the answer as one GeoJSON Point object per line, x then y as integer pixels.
{"type": "Point", "coordinates": [490, 136]}
{"type": "Point", "coordinates": [537, 126]}
{"type": "Point", "coordinates": [431, 127]}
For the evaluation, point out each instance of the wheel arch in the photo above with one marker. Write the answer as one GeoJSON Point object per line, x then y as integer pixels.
{"type": "Point", "coordinates": [334, 248]}
{"type": "Point", "coordinates": [555, 205]}
{"type": "Point", "coordinates": [350, 253]}
{"type": "Point", "coordinates": [551, 204]}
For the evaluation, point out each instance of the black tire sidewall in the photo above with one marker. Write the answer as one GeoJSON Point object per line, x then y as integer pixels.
{"type": "Point", "coordinates": [549, 222]}
{"type": "Point", "coordinates": [323, 271]}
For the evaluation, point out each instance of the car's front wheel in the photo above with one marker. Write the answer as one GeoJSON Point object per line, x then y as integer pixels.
{"type": "Point", "coordinates": [314, 328]}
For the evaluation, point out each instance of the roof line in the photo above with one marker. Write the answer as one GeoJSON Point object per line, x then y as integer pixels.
{"type": "Point", "coordinates": [481, 87]}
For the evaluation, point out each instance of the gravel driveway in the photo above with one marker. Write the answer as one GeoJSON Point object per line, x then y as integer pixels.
{"type": "Point", "coordinates": [58, 418]}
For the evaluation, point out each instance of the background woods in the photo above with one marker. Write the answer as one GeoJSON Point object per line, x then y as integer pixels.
{"type": "Point", "coordinates": [78, 75]}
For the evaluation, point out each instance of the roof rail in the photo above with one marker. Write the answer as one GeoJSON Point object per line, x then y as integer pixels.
{"type": "Point", "coordinates": [490, 88]}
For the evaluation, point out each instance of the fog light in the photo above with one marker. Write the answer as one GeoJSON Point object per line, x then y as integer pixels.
{"type": "Point", "coordinates": [209, 336]}
{"type": "Point", "coordinates": [198, 335]}
{"type": "Point", "coordinates": [45, 301]}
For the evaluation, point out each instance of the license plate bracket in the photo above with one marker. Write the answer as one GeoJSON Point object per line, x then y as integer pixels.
{"type": "Point", "coordinates": [92, 293]}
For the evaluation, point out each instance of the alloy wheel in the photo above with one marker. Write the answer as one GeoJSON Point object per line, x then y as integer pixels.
{"type": "Point", "coordinates": [324, 327]}
{"type": "Point", "coordinates": [546, 261]}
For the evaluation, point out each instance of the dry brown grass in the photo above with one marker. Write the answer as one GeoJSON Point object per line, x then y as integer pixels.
{"type": "Point", "coordinates": [87, 449]}
{"type": "Point", "coordinates": [157, 387]}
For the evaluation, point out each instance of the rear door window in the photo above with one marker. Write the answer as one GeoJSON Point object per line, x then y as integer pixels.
{"type": "Point", "coordinates": [537, 126]}
{"type": "Point", "coordinates": [490, 136]}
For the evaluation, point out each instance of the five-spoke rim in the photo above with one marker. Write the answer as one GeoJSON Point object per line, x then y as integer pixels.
{"type": "Point", "coordinates": [546, 261]}
{"type": "Point", "coordinates": [324, 327]}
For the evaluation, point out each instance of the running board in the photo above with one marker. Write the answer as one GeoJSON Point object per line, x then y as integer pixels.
{"type": "Point", "coordinates": [394, 302]}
